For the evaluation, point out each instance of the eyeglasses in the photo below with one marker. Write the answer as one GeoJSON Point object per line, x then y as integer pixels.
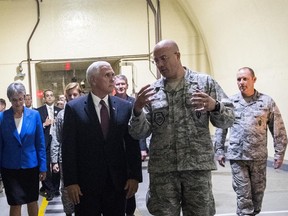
{"type": "Point", "coordinates": [15, 100]}
{"type": "Point", "coordinates": [162, 58]}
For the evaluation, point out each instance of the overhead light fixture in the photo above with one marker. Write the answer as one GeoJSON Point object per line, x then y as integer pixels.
{"type": "Point", "coordinates": [19, 70]}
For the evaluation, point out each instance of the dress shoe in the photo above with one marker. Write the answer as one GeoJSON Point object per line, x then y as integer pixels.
{"type": "Point", "coordinates": [43, 193]}
{"type": "Point", "coordinates": [57, 193]}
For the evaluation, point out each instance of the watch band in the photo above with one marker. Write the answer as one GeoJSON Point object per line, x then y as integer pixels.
{"type": "Point", "coordinates": [217, 106]}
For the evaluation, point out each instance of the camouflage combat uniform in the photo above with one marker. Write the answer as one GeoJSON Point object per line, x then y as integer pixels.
{"type": "Point", "coordinates": [56, 157]}
{"type": "Point", "coordinates": [247, 149]}
{"type": "Point", "coordinates": [181, 153]}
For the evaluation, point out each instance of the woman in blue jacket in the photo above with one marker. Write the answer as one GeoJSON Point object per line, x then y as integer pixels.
{"type": "Point", "coordinates": [22, 152]}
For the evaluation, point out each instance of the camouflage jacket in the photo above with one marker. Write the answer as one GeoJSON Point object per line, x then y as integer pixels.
{"type": "Point", "coordinates": [248, 135]}
{"type": "Point", "coordinates": [56, 143]}
{"type": "Point", "coordinates": [180, 136]}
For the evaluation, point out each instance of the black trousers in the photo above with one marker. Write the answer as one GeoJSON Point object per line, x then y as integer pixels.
{"type": "Point", "coordinates": [107, 202]}
{"type": "Point", "coordinates": [52, 182]}
{"type": "Point", "coordinates": [130, 205]}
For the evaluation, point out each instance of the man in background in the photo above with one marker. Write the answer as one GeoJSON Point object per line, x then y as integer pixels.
{"type": "Point", "coordinates": [2, 105]}
{"type": "Point", "coordinates": [48, 113]}
{"type": "Point", "coordinates": [61, 101]}
{"type": "Point", "coordinates": [247, 150]}
{"type": "Point", "coordinates": [28, 101]}
{"type": "Point", "coordinates": [121, 86]}
{"type": "Point", "coordinates": [60, 104]}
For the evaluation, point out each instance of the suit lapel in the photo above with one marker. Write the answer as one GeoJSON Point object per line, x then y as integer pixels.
{"type": "Point", "coordinates": [90, 111]}
{"type": "Point", "coordinates": [45, 112]}
{"type": "Point", "coordinates": [12, 125]}
{"type": "Point", "coordinates": [27, 119]}
{"type": "Point", "coordinates": [113, 110]}
{"type": "Point", "coordinates": [56, 111]}
{"type": "Point", "coordinates": [113, 117]}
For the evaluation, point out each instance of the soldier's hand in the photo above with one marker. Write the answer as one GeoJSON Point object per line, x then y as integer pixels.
{"type": "Point", "coordinates": [221, 160]}
{"type": "Point", "coordinates": [202, 101]}
{"type": "Point", "coordinates": [42, 176]}
{"type": "Point", "coordinates": [144, 154]}
{"type": "Point", "coordinates": [277, 163]}
{"type": "Point", "coordinates": [143, 97]}
{"type": "Point", "coordinates": [55, 168]}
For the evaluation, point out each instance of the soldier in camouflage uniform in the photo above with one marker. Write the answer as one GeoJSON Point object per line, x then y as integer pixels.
{"type": "Point", "coordinates": [177, 110]}
{"type": "Point", "coordinates": [247, 150]}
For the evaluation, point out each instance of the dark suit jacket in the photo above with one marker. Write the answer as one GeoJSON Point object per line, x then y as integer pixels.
{"type": "Point", "coordinates": [87, 158]}
{"type": "Point", "coordinates": [43, 114]}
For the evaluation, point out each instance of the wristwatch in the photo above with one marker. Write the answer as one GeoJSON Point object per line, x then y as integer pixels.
{"type": "Point", "coordinates": [217, 106]}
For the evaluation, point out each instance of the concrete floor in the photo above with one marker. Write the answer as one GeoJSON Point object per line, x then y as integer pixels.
{"type": "Point", "coordinates": [275, 198]}
{"type": "Point", "coordinates": [274, 204]}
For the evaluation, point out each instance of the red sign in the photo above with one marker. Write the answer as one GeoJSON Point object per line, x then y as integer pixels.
{"type": "Point", "coordinates": [39, 93]}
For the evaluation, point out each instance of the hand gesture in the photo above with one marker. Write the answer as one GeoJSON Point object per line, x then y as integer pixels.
{"type": "Point", "coordinates": [144, 97]}
{"type": "Point", "coordinates": [202, 101]}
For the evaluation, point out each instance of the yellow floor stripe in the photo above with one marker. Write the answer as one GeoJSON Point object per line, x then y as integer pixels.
{"type": "Point", "coordinates": [43, 206]}
{"type": "Point", "coordinates": [45, 203]}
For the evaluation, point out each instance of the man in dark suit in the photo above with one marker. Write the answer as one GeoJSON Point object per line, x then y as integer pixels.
{"type": "Point", "coordinates": [100, 172]}
{"type": "Point", "coordinates": [48, 112]}
{"type": "Point", "coordinates": [121, 86]}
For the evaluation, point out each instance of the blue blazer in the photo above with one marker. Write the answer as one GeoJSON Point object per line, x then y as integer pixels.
{"type": "Point", "coordinates": [24, 150]}
{"type": "Point", "coordinates": [87, 158]}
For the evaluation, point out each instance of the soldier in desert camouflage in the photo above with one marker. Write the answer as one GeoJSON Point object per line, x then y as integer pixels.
{"type": "Point", "coordinates": [177, 111]}
{"type": "Point", "coordinates": [247, 149]}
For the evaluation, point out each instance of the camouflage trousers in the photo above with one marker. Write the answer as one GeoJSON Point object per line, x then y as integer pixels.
{"type": "Point", "coordinates": [189, 191]}
{"type": "Point", "coordinates": [249, 183]}
{"type": "Point", "coordinates": [68, 206]}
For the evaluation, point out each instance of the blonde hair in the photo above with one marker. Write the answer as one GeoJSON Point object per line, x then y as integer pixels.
{"type": "Point", "coordinates": [73, 85]}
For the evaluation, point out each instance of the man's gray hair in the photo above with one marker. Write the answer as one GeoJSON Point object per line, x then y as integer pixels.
{"type": "Point", "coordinates": [122, 77]}
{"type": "Point", "coordinates": [94, 69]}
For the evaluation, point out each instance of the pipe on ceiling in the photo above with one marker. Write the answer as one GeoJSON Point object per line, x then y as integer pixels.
{"type": "Point", "coordinates": [28, 47]}
{"type": "Point", "coordinates": [157, 21]}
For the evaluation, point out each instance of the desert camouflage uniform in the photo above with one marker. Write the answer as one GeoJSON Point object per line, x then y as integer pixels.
{"type": "Point", "coordinates": [247, 149]}
{"type": "Point", "coordinates": [56, 157]}
{"type": "Point", "coordinates": [181, 153]}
